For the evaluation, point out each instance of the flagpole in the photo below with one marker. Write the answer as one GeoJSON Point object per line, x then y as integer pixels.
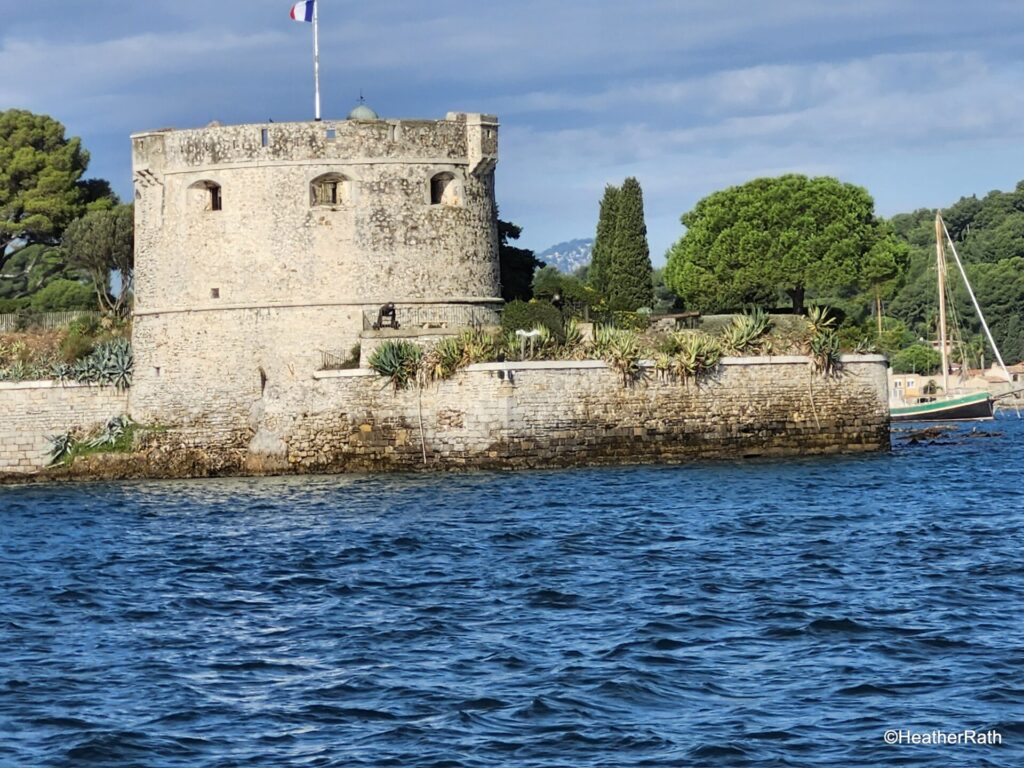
{"type": "Point", "coordinates": [316, 55]}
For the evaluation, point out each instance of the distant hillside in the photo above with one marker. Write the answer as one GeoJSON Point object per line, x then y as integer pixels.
{"type": "Point", "coordinates": [568, 256]}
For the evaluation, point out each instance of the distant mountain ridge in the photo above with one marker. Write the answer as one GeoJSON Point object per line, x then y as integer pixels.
{"type": "Point", "coordinates": [568, 256]}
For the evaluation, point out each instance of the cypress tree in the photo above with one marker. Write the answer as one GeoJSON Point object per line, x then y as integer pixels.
{"type": "Point", "coordinates": [599, 276]}
{"type": "Point", "coordinates": [629, 274]}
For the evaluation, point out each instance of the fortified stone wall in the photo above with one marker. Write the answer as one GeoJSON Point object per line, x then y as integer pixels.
{"type": "Point", "coordinates": [245, 272]}
{"type": "Point", "coordinates": [272, 242]}
{"type": "Point", "coordinates": [557, 413]}
{"type": "Point", "coordinates": [32, 410]}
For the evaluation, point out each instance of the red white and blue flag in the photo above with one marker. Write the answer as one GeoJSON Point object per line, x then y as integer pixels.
{"type": "Point", "coordinates": [303, 11]}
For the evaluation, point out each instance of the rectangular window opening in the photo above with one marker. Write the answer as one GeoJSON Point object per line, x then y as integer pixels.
{"type": "Point", "coordinates": [331, 134]}
{"type": "Point", "coordinates": [265, 137]}
{"type": "Point", "coordinates": [215, 293]}
{"type": "Point", "coordinates": [215, 199]}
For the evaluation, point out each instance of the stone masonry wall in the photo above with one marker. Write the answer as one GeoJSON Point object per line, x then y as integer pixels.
{"type": "Point", "coordinates": [561, 413]}
{"type": "Point", "coordinates": [231, 302]}
{"type": "Point", "coordinates": [32, 410]}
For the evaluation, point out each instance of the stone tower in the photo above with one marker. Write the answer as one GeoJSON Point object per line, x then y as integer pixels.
{"type": "Point", "coordinates": [261, 247]}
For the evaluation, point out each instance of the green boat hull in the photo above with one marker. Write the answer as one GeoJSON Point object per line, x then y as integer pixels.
{"type": "Point", "coordinates": [973, 407]}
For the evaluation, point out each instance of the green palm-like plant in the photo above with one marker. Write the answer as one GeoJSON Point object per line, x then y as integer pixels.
{"type": "Point", "coordinates": [397, 360]}
{"type": "Point", "coordinates": [443, 359]}
{"type": "Point", "coordinates": [697, 355]}
{"type": "Point", "coordinates": [746, 332]}
{"type": "Point", "coordinates": [825, 354]}
{"type": "Point", "coordinates": [819, 321]}
{"type": "Point", "coordinates": [622, 350]}
{"type": "Point", "coordinates": [60, 447]}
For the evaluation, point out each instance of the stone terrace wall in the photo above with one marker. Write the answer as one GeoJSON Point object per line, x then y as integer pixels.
{"type": "Point", "coordinates": [562, 413]}
{"type": "Point", "coordinates": [29, 411]}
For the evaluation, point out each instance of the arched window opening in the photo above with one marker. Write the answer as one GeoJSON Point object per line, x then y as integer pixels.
{"type": "Point", "coordinates": [206, 196]}
{"type": "Point", "coordinates": [444, 190]}
{"type": "Point", "coordinates": [330, 189]}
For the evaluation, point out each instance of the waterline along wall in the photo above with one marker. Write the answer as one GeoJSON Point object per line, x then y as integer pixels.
{"type": "Point", "coordinates": [543, 414]}
{"type": "Point", "coordinates": [493, 415]}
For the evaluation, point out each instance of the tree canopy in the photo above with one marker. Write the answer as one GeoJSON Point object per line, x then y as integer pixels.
{"type": "Point", "coordinates": [516, 265]}
{"type": "Point", "coordinates": [630, 285]}
{"type": "Point", "coordinates": [41, 186]}
{"type": "Point", "coordinates": [620, 262]}
{"type": "Point", "coordinates": [599, 274]}
{"type": "Point", "coordinates": [102, 242]}
{"type": "Point", "coordinates": [791, 234]}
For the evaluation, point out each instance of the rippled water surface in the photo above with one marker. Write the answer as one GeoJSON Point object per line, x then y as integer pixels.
{"type": "Point", "coordinates": [747, 614]}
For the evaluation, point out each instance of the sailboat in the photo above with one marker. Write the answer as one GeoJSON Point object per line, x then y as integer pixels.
{"type": "Point", "coordinates": [950, 405]}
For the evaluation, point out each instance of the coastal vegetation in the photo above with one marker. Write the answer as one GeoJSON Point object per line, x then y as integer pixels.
{"type": "Point", "coordinates": [746, 245]}
{"type": "Point", "coordinates": [116, 436]}
{"type": "Point", "coordinates": [680, 355]}
{"type": "Point", "coordinates": [62, 236]}
{"type": "Point", "coordinates": [89, 351]}
{"type": "Point", "coordinates": [516, 265]}
{"type": "Point", "coordinates": [818, 241]}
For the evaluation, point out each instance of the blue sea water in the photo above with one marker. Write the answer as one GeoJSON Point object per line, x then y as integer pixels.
{"type": "Point", "coordinates": [732, 614]}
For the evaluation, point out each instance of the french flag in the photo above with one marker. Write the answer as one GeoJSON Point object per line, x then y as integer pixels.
{"type": "Point", "coordinates": [303, 11]}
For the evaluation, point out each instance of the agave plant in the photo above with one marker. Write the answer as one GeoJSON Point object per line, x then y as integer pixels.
{"type": "Point", "coordinates": [663, 364]}
{"type": "Point", "coordinates": [509, 346]}
{"type": "Point", "coordinates": [116, 363]}
{"type": "Point", "coordinates": [110, 363]}
{"type": "Point", "coordinates": [604, 336]}
{"type": "Point", "coordinates": [621, 349]}
{"type": "Point", "coordinates": [819, 321]}
{"type": "Point", "coordinates": [443, 359]}
{"type": "Point", "coordinates": [61, 372]}
{"type": "Point", "coordinates": [825, 353]}
{"type": "Point", "coordinates": [113, 431]}
{"type": "Point", "coordinates": [60, 447]}
{"type": "Point", "coordinates": [478, 346]}
{"type": "Point", "coordinates": [745, 333]}
{"type": "Point", "coordinates": [573, 347]}
{"type": "Point", "coordinates": [865, 347]}
{"type": "Point", "coordinates": [87, 370]}
{"type": "Point", "coordinates": [398, 360]}
{"type": "Point", "coordinates": [698, 354]}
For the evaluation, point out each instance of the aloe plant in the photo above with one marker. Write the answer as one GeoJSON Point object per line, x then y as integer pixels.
{"type": "Point", "coordinates": [819, 321]}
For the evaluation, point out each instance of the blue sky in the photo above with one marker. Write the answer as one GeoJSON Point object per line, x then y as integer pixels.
{"type": "Point", "coordinates": [921, 102]}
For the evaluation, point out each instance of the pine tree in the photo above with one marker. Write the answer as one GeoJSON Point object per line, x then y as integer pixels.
{"type": "Point", "coordinates": [630, 271]}
{"type": "Point", "coordinates": [601, 254]}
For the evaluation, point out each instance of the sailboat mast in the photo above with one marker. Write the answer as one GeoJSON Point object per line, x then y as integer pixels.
{"type": "Point", "coordinates": [977, 307]}
{"type": "Point", "coordinates": [940, 263]}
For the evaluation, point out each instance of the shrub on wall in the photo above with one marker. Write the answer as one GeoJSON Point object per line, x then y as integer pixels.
{"type": "Point", "coordinates": [525, 316]}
